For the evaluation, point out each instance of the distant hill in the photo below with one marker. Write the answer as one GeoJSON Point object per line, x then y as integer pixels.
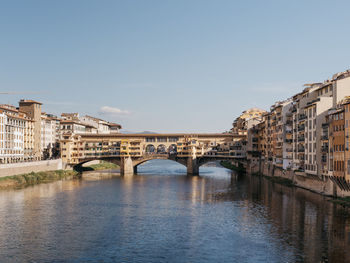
{"type": "Point", "coordinates": [131, 132]}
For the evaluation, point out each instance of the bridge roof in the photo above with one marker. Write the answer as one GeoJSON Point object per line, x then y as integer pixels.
{"type": "Point", "coordinates": [140, 135]}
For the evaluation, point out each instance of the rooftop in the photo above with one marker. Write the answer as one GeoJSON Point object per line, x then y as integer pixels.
{"type": "Point", "coordinates": [23, 101]}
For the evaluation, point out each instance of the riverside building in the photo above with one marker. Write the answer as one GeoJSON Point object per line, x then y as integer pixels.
{"type": "Point", "coordinates": [308, 133]}
{"type": "Point", "coordinates": [16, 133]}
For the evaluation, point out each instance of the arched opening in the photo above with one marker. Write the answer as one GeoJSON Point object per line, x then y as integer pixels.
{"type": "Point", "coordinates": [172, 149]}
{"type": "Point", "coordinates": [161, 167]}
{"type": "Point", "coordinates": [150, 149]}
{"type": "Point", "coordinates": [161, 149]}
{"type": "Point", "coordinates": [95, 165]}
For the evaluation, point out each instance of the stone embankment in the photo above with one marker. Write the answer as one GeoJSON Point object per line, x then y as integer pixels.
{"type": "Point", "coordinates": [32, 178]}
{"type": "Point", "coordinates": [324, 186]}
{"type": "Point", "coordinates": [28, 167]}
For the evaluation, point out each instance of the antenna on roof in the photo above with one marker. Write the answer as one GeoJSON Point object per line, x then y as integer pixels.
{"type": "Point", "coordinates": [17, 92]}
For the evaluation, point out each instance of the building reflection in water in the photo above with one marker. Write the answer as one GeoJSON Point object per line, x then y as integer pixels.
{"type": "Point", "coordinates": [141, 210]}
{"type": "Point", "coordinates": [319, 228]}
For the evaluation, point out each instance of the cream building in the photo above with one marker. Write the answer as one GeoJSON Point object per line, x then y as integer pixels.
{"type": "Point", "coordinates": [3, 120]}
{"type": "Point", "coordinates": [50, 127]}
{"type": "Point", "coordinates": [14, 130]}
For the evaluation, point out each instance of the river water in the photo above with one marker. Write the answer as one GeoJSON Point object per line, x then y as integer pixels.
{"type": "Point", "coordinates": [162, 215]}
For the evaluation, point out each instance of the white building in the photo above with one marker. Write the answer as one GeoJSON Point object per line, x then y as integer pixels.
{"type": "Point", "coordinates": [3, 120]}
{"type": "Point", "coordinates": [50, 126]}
{"type": "Point", "coordinates": [287, 134]}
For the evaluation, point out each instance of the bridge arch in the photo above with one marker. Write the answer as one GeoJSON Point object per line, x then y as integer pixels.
{"type": "Point", "coordinates": [158, 157]}
{"type": "Point", "coordinates": [79, 167]}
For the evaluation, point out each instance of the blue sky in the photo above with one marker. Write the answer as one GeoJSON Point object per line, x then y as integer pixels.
{"type": "Point", "coordinates": [168, 66]}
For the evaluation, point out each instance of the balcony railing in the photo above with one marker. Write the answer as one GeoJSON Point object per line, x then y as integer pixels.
{"type": "Point", "coordinates": [301, 139]}
{"type": "Point", "coordinates": [302, 117]}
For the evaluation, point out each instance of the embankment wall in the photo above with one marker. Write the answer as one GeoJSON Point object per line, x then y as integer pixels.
{"type": "Point", "coordinates": [28, 167]}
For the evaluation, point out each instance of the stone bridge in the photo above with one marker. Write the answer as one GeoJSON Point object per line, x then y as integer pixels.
{"type": "Point", "coordinates": [131, 150]}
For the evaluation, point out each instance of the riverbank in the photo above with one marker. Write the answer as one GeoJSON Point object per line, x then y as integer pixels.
{"type": "Point", "coordinates": [24, 180]}
{"type": "Point", "coordinates": [325, 186]}
{"type": "Point", "coordinates": [99, 167]}
{"type": "Point", "coordinates": [10, 169]}
{"type": "Point", "coordinates": [279, 180]}
{"type": "Point", "coordinates": [33, 178]}
{"type": "Point", "coordinates": [228, 165]}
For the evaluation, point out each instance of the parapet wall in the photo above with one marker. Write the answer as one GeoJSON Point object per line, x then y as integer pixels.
{"type": "Point", "coordinates": [28, 167]}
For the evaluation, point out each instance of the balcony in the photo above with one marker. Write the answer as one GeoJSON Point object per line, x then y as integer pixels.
{"type": "Point", "coordinates": [324, 149]}
{"type": "Point", "coordinates": [288, 140]}
{"type": "Point", "coordinates": [301, 139]}
{"type": "Point", "coordinates": [302, 117]}
{"type": "Point", "coordinates": [300, 150]}
{"type": "Point", "coordinates": [301, 128]}
{"type": "Point", "coordinates": [324, 137]}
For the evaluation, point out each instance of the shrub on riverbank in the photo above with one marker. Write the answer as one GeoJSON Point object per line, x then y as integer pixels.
{"type": "Point", "coordinates": [98, 167]}
{"type": "Point", "coordinates": [23, 180]}
{"type": "Point", "coordinates": [343, 201]}
{"type": "Point", "coordinates": [32, 178]}
{"type": "Point", "coordinates": [275, 179]}
{"type": "Point", "coordinates": [228, 165]}
{"type": "Point", "coordinates": [280, 180]}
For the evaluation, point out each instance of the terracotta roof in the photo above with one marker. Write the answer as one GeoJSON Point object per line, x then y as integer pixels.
{"type": "Point", "coordinates": [29, 102]}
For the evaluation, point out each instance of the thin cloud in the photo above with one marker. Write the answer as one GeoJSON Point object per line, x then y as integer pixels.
{"type": "Point", "coordinates": [112, 111]}
{"type": "Point", "coordinates": [278, 88]}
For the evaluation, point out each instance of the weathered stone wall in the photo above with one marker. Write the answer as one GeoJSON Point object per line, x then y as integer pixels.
{"type": "Point", "coordinates": [28, 167]}
{"type": "Point", "coordinates": [325, 187]}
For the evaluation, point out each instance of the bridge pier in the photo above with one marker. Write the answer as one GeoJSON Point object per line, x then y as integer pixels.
{"type": "Point", "coordinates": [135, 169]}
{"type": "Point", "coordinates": [126, 167]}
{"type": "Point", "coordinates": [192, 166]}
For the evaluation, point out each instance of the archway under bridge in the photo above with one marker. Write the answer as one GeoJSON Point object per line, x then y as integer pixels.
{"type": "Point", "coordinates": [128, 165]}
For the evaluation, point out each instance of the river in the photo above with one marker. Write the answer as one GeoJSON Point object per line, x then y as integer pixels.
{"type": "Point", "coordinates": [162, 215]}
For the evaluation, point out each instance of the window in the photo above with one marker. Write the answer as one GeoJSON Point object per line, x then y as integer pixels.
{"type": "Point", "coordinates": [348, 166]}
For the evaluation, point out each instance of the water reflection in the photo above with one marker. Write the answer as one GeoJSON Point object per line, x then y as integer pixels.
{"type": "Point", "coordinates": [163, 215]}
